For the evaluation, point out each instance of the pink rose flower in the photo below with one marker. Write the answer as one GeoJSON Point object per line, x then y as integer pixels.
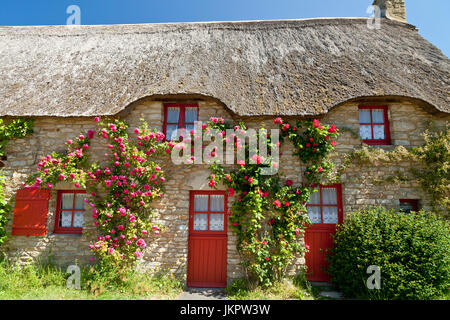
{"type": "Point", "coordinates": [278, 120]}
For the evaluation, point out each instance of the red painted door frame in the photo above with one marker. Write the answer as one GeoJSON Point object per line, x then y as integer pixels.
{"type": "Point", "coordinates": [318, 237]}
{"type": "Point", "coordinates": [207, 250]}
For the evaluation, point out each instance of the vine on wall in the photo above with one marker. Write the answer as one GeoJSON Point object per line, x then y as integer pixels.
{"type": "Point", "coordinates": [120, 188]}
{"type": "Point", "coordinates": [18, 128]}
{"type": "Point", "coordinates": [430, 166]}
{"type": "Point", "coordinates": [269, 215]}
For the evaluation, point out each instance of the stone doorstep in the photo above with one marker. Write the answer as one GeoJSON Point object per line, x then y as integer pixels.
{"type": "Point", "coordinates": [328, 290]}
{"type": "Point", "coordinates": [202, 294]}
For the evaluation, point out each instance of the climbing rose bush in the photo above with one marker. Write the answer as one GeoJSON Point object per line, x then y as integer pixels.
{"type": "Point", "coordinates": [269, 214]}
{"type": "Point", "coordinates": [120, 188]}
{"type": "Point", "coordinates": [313, 143]}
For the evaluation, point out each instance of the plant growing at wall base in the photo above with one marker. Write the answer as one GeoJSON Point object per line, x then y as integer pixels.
{"type": "Point", "coordinates": [411, 250]}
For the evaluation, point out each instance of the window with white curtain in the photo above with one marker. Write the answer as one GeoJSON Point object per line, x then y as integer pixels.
{"type": "Point", "coordinates": [70, 212]}
{"type": "Point", "coordinates": [179, 116]}
{"type": "Point", "coordinates": [323, 205]}
{"type": "Point", "coordinates": [209, 212]}
{"type": "Point", "coordinates": [374, 125]}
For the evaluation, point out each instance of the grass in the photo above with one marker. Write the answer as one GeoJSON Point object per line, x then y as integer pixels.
{"type": "Point", "coordinates": [38, 282]}
{"type": "Point", "coordinates": [291, 288]}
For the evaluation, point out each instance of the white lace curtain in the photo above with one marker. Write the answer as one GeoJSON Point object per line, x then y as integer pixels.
{"type": "Point", "coordinates": [366, 130]}
{"type": "Point", "coordinates": [329, 213]}
{"type": "Point", "coordinates": [216, 220]}
{"type": "Point", "coordinates": [67, 205]}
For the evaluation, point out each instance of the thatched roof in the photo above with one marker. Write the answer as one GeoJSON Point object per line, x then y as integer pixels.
{"type": "Point", "coordinates": [292, 67]}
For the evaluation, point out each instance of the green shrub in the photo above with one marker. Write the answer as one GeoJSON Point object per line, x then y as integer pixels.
{"type": "Point", "coordinates": [412, 251]}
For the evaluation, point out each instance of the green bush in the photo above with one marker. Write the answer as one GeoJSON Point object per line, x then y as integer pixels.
{"type": "Point", "coordinates": [412, 251]}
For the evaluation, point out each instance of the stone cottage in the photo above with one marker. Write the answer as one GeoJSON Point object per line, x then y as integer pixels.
{"type": "Point", "coordinates": [383, 84]}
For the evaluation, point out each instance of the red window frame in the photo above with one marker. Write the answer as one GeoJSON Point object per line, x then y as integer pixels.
{"type": "Point", "coordinates": [338, 204]}
{"type": "Point", "coordinates": [192, 212]}
{"type": "Point", "coordinates": [65, 230]}
{"type": "Point", "coordinates": [414, 203]}
{"type": "Point", "coordinates": [181, 123]}
{"type": "Point", "coordinates": [387, 132]}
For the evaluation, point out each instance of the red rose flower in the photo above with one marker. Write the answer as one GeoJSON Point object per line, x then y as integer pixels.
{"type": "Point", "coordinates": [332, 129]}
{"type": "Point", "coordinates": [278, 120]}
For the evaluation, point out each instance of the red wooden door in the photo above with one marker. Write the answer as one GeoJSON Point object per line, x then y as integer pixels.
{"type": "Point", "coordinates": [324, 211]}
{"type": "Point", "coordinates": [207, 252]}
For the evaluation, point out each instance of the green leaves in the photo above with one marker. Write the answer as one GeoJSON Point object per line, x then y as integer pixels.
{"type": "Point", "coordinates": [412, 251]}
{"type": "Point", "coordinates": [17, 128]}
{"type": "Point", "coordinates": [269, 214]}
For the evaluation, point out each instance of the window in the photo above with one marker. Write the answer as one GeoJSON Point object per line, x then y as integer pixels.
{"type": "Point", "coordinates": [208, 211]}
{"type": "Point", "coordinates": [177, 116]}
{"type": "Point", "coordinates": [374, 125]}
{"type": "Point", "coordinates": [408, 205]}
{"type": "Point", "coordinates": [325, 205]}
{"type": "Point", "coordinates": [70, 211]}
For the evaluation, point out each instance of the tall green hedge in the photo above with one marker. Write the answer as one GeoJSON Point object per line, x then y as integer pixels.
{"type": "Point", "coordinates": [412, 251]}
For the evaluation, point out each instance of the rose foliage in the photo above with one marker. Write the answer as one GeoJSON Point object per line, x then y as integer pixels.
{"type": "Point", "coordinates": [269, 213]}
{"type": "Point", "coordinates": [120, 188]}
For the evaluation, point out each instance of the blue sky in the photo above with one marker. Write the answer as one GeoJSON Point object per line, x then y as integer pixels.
{"type": "Point", "coordinates": [431, 17]}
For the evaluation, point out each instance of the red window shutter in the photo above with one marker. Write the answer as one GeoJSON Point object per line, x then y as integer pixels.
{"type": "Point", "coordinates": [30, 212]}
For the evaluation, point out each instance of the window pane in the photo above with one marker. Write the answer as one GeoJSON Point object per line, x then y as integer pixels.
{"type": "Point", "coordinates": [406, 207]}
{"type": "Point", "coordinates": [79, 200]}
{"type": "Point", "coordinates": [173, 115]}
{"type": "Point", "coordinates": [189, 127]}
{"type": "Point", "coordinates": [314, 198]}
{"type": "Point", "coordinates": [217, 203]}
{"type": "Point", "coordinates": [330, 215]}
{"type": "Point", "coordinates": [364, 116]}
{"type": "Point", "coordinates": [190, 114]}
{"type": "Point", "coordinates": [314, 214]}
{"type": "Point", "coordinates": [172, 132]}
{"type": "Point", "coordinates": [377, 116]}
{"type": "Point", "coordinates": [67, 201]}
{"type": "Point", "coordinates": [378, 132]}
{"type": "Point", "coordinates": [78, 219]}
{"type": "Point", "coordinates": [201, 202]}
{"type": "Point", "coordinates": [66, 219]}
{"type": "Point", "coordinates": [365, 132]}
{"type": "Point", "coordinates": [216, 222]}
{"type": "Point", "coordinates": [200, 222]}
{"type": "Point", "coordinates": [329, 196]}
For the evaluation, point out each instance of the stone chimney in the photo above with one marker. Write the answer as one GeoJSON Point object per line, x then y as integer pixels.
{"type": "Point", "coordinates": [392, 9]}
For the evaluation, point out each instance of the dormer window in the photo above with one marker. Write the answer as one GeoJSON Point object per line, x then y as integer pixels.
{"type": "Point", "coordinates": [177, 116]}
{"type": "Point", "coordinates": [374, 125]}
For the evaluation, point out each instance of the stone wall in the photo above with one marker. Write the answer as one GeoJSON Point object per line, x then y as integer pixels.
{"type": "Point", "coordinates": [169, 250]}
